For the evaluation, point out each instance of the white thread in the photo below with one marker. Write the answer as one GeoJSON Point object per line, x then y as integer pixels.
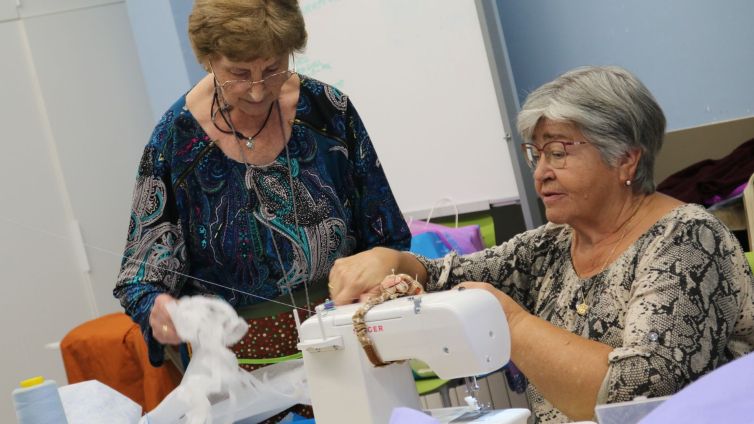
{"type": "Point", "coordinates": [78, 247]}
{"type": "Point", "coordinates": [120, 256]}
{"type": "Point", "coordinates": [39, 404]}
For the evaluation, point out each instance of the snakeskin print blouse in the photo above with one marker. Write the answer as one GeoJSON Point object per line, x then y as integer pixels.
{"type": "Point", "coordinates": [674, 306]}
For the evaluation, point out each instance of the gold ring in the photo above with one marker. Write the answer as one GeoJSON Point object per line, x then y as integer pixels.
{"type": "Point", "coordinates": [164, 329]}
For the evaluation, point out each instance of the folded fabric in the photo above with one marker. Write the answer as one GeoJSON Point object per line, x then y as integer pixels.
{"type": "Point", "coordinates": [464, 240]}
{"type": "Point", "coordinates": [736, 193]}
{"type": "Point", "coordinates": [722, 396]}
{"type": "Point", "coordinates": [708, 178]}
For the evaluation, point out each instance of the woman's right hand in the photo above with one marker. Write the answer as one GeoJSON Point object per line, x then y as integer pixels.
{"type": "Point", "coordinates": [162, 325]}
{"type": "Point", "coordinates": [357, 277]}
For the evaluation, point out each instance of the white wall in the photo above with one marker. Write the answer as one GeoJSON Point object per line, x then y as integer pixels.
{"type": "Point", "coordinates": [8, 10]}
{"type": "Point", "coordinates": [74, 117]}
{"type": "Point", "coordinates": [28, 8]}
{"type": "Point", "coordinates": [158, 45]}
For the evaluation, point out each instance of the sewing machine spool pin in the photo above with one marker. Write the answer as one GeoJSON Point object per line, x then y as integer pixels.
{"type": "Point", "coordinates": [319, 309]}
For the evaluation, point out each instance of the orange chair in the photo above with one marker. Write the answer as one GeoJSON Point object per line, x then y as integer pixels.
{"type": "Point", "coordinates": [111, 349]}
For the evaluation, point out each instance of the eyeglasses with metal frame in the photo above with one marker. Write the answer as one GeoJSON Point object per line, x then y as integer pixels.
{"type": "Point", "coordinates": [270, 82]}
{"type": "Point", "coordinates": [554, 151]}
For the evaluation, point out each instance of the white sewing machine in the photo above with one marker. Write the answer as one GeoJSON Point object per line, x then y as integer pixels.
{"type": "Point", "coordinates": [457, 333]}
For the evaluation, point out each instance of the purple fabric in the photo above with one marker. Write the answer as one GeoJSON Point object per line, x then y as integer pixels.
{"type": "Point", "coordinates": [717, 199]}
{"type": "Point", "coordinates": [410, 416]}
{"type": "Point", "coordinates": [466, 239]}
{"type": "Point", "coordinates": [722, 396]}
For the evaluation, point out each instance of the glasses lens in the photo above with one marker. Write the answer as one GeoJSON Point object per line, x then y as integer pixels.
{"type": "Point", "coordinates": [532, 155]}
{"type": "Point", "coordinates": [273, 82]}
{"type": "Point", "coordinates": [237, 85]}
{"type": "Point", "coordinates": [556, 154]}
{"type": "Point", "coordinates": [276, 80]}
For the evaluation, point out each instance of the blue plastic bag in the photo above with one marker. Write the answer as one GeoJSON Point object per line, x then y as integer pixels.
{"type": "Point", "coordinates": [430, 245]}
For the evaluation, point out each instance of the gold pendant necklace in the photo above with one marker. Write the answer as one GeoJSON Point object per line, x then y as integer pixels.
{"type": "Point", "coordinates": [582, 307]}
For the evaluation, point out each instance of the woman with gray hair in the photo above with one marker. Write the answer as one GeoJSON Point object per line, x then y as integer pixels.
{"type": "Point", "coordinates": [625, 292]}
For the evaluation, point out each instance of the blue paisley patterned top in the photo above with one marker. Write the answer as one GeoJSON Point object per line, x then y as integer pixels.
{"type": "Point", "coordinates": [675, 305]}
{"type": "Point", "coordinates": [193, 215]}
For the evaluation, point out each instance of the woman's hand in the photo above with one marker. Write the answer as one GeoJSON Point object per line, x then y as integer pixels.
{"type": "Point", "coordinates": [162, 325]}
{"type": "Point", "coordinates": [358, 277]}
{"type": "Point", "coordinates": [513, 311]}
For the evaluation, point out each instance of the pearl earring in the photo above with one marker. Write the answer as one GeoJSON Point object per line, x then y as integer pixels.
{"type": "Point", "coordinates": [628, 183]}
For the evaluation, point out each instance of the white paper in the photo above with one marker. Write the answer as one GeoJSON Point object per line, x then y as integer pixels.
{"type": "Point", "coordinates": [91, 402]}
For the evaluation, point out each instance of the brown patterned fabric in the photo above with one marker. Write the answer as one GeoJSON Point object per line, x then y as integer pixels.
{"type": "Point", "coordinates": [273, 337]}
{"type": "Point", "coordinates": [268, 337]}
{"type": "Point", "coordinates": [675, 305]}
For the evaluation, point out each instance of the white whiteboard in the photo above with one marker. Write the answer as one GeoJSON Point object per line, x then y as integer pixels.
{"type": "Point", "coordinates": [418, 73]}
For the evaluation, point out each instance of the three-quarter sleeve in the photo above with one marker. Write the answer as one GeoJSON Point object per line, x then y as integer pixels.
{"type": "Point", "coordinates": [377, 217]}
{"type": "Point", "coordinates": [154, 259]}
{"type": "Point", "coordinates": [513, 267]}
{"type": "Point", "coordinates": [684, 306]}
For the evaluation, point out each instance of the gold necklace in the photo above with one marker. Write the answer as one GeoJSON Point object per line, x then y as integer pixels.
{"type": "Point", "coordinates": [582, 308]}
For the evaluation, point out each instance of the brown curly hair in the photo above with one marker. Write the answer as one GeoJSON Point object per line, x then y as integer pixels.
{"type": "Point", "coordinates": [246, 30]}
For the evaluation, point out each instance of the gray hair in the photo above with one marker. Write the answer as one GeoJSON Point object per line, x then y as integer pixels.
{"type": "Point", "coordinates": [613, 110]}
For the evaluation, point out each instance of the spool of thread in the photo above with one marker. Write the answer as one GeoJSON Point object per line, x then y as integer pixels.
{"type": "Point", "coordinates": [38, 402]}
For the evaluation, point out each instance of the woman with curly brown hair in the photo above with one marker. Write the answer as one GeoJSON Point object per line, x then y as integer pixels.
{"type": "Point", "coordinates": [252, 185]}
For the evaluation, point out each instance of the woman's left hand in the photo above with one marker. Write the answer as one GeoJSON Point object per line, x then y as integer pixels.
{"type": "Point", "coordinates": [513, 311]}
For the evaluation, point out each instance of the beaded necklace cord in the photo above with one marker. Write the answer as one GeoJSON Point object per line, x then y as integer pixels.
{"type": "Point", "coordinates": [224, 114]}
{"type": "Point", "coordinates": [251, 185]}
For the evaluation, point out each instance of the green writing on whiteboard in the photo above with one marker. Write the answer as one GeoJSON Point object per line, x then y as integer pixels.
{"type": "Point", "coordinates": [311, 6]}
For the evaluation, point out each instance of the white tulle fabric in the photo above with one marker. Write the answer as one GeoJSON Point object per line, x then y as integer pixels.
{"type": "Point", "coordinates": [214, 388]}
